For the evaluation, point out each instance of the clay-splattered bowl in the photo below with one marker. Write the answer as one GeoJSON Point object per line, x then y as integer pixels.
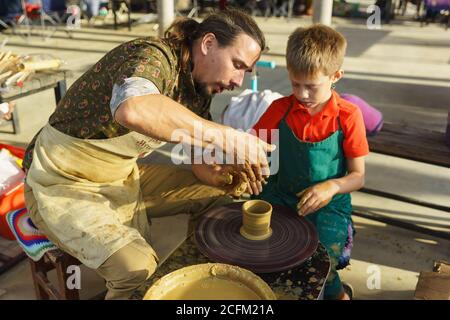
{"type": "Point", "coordinates": [210, 281]}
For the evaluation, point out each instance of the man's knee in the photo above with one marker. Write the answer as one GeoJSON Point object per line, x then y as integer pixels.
{"type": "Point", "coordinates": [128, 268]}
{"type": "Point", "coordinates": [134, 261]}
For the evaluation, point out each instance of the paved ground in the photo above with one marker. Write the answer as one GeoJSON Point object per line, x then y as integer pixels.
{"type": "Point", "coordinates": [402, 69]}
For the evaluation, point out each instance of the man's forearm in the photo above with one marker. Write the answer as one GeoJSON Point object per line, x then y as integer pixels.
{"type": "Point", "coordinates": [164, 119]}
{"type": "Point", "coordinates": [203, 172]}
{"type": "Point", "coordinates": [158, 116]}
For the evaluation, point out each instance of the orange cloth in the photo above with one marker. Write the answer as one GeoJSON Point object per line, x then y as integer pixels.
{"type": "Point", "coordinates": [321, 125]}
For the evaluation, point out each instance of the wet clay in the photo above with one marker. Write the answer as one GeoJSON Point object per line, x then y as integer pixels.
{"type": "Point", "coordinates": [235, 182]}
{"type": "Point", "coordinates": [211, 289]}
{"type": "Point", "coordinates": [210, 281]}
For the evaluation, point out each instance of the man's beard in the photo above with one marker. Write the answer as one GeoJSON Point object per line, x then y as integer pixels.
{"type": "Point", "coordinates": [201, 88]}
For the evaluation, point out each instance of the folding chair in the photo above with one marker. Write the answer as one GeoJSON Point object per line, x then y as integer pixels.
{"type": "Point", "coordinates": [54, 10]}
{"type": "Point", "coordinates": [25, 17]}
{"type": "Point", "coordinates": [8, 11]}
{"type": "Point", "coordinates": [3, 24]}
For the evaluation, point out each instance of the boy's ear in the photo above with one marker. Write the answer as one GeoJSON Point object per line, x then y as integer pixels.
{"type": "Point", "coordinates": [337, 75]}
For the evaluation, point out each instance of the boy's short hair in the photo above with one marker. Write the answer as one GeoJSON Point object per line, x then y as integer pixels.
{"type": "Point", "coordinates": [314, 49]}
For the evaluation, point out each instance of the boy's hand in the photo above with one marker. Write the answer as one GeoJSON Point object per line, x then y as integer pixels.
{"type": "Point", "coordinates": [316, 197]}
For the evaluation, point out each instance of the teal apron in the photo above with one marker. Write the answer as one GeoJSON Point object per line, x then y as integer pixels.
{"type": "Point", "coordinates": [305, 164]}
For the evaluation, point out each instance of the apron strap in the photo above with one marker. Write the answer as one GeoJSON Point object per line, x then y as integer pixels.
{"type": "Point", "coordinates": [339, 122]}
{"type": "Point", "coordinates": [288, 110]}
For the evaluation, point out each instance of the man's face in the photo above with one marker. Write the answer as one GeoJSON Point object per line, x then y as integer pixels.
{"type": "Point", "coordinates": [223, 68]}
{"type": "Point", "coordinates": [313, 91]}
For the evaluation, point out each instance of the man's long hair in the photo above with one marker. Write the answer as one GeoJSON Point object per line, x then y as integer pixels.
{"type": "Point", "coordinates": [225, 25]}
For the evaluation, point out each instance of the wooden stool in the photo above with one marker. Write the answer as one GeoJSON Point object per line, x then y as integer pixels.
{"type": "Point", "coordinates": [45, 290]}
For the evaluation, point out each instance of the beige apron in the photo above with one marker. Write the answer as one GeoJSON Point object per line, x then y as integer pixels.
{"type": "Point", "coordinates": [88, 192]}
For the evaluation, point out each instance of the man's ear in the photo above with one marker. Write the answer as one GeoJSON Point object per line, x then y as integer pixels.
{"type": "Point", "coordinates": [337, 76]}
{"type": "Point", "coordinates": [207, 42]}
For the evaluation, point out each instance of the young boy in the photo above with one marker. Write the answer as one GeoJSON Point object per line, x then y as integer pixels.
{"type": "Point", "coordinates": [322, 145]}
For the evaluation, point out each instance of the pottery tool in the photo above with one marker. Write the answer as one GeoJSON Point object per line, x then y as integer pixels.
{"type": "Point", "coordinates": [293, 240]}
{"type": "Point", "coordinates": [9, 67]}
{"type": "Point", "coordinates": [41, 65]}
{"type": "Point", "coordinates": [15, 69]}
{"type": "Point", "coordinates": [23, 77]}
{"type": "Point", "coordinates": [5, 75]}
{"type": "Point", "coordinates": [14, 78]}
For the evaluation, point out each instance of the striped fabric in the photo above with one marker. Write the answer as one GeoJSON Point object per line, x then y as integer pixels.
{"type": "Point", "coordinates": [33, 242]}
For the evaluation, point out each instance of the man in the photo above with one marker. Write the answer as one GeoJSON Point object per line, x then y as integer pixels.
{"type": "Point", "coordinates": [84, 188]}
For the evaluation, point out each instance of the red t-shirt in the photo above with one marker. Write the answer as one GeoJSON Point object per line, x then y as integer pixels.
{"type": "Point", "coordinates": [321, 125]}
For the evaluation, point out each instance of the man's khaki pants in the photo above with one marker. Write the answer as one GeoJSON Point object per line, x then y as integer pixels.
{"type": "Point", "coordinates": [167, 190]}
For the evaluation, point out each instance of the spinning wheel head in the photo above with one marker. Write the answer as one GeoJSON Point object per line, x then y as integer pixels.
{"type": "Point", "coordinates": [293, 239]}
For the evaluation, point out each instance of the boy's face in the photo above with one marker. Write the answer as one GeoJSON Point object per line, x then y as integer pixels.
{"type": "Point", "coordinates": [313, 92]}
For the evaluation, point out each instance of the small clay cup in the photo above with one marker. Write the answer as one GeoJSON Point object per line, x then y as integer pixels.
{"type": "Point", "coordinates": [256, 215]}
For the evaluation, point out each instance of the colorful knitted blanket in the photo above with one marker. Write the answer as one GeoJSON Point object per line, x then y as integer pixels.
{"type": "Point", "coordinates": [33, 242]}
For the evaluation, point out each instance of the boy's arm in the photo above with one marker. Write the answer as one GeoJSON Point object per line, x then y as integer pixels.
{"type": "Point", "coordinates": [354, 180]}
{"type": "Point", "coordinates": [319, 195]}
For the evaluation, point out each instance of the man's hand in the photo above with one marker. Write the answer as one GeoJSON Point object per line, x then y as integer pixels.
{"type": "Point", "coordinates": [234, 180]}
{"type": "Point", "coordinates": [316, 197]}
{"type": "Point", "coordinates": [160, 117]}
{"type": "Point", "coordinates": [228, 177]}
{"type": "Point", "coordinates": [250, 157]}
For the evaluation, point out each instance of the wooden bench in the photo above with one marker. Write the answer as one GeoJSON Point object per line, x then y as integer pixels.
{"type": "Point", "coordinates": [416, 144]}
{"type": "Point", "coordinates": [39, 82]}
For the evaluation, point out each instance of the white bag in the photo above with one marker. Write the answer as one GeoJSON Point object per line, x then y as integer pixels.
{"type": "Point", "coordinates": [10, 173]}
{"type": "Point", "coordinates": [244, 111]}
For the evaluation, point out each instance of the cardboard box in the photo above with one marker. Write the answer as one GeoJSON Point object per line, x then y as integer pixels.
{"type": "Point", "coordinates": [434, 285]}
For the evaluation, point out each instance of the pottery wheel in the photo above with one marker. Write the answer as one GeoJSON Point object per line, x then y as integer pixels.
{"type": "Point", "coordinates": [294, 239]}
